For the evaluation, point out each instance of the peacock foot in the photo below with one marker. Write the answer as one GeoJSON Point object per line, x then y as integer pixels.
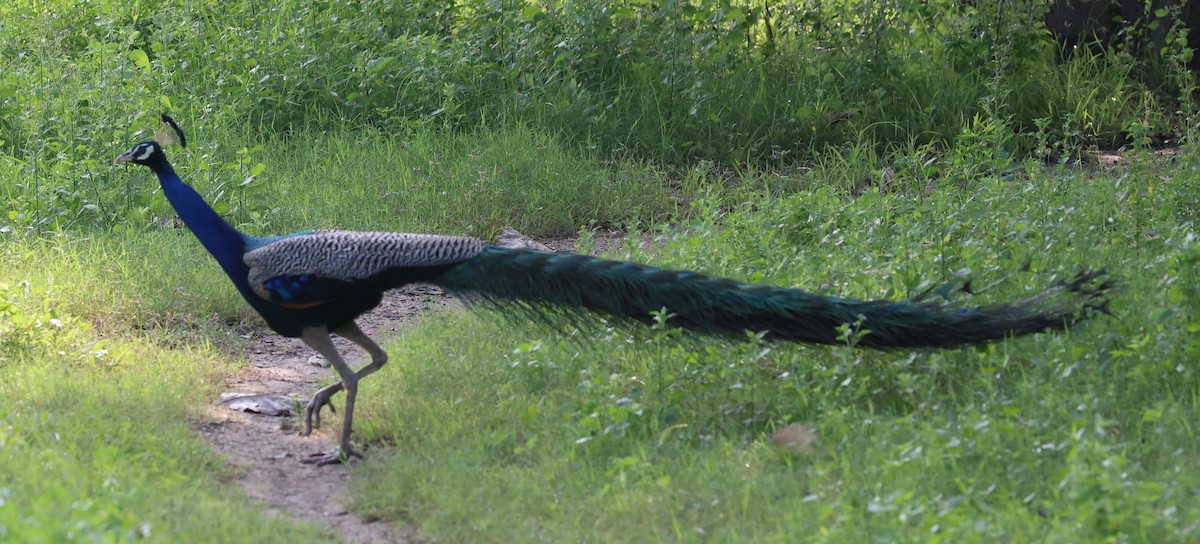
{"type": "Point", "coordinates": [312, 411]}
{"type": "Point", "coordinates": [338, 455]}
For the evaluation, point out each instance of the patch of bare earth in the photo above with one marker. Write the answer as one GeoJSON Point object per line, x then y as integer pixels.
{"type": "Point", "coordinates": [267, 448]}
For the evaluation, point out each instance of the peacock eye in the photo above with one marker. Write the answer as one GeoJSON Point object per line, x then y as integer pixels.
{"type": "Point", "coordinates": [144, 152]}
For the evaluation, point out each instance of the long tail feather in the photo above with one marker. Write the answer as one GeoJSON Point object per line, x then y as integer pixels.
{"type": "Point", "coordinates": [538, 281]}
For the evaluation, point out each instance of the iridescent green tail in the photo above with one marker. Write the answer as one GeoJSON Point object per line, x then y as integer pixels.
{"type": "Point", "coordinates": [538, 282]}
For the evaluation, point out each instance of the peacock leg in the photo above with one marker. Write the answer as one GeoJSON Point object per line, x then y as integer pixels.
{"type": "Point", "coordinates": [318, 339]}
{"type": "Point", "coordinates": [379, 357]}
{"type": "Point", "coordinates": [351, 332]}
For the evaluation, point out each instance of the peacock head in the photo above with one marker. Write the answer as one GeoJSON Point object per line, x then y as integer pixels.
{"type": "Point", "coordinates": [150, 153]}
{"type": "Point", "coordinates": [145, 153]}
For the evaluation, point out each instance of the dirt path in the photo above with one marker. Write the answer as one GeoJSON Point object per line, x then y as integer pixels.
{"type": "Point", "coordinates": [268, 448]}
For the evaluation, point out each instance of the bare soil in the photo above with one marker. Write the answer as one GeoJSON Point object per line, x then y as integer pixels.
{"type": "Point", "coordinates": [268, 448]}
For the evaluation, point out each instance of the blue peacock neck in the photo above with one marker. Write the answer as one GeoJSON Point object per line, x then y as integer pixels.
{"type": "Point", "coordinates": [224, 242]}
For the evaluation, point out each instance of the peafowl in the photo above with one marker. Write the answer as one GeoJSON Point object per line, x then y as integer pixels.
{"type": "Point", "coordinates": [316, 283]}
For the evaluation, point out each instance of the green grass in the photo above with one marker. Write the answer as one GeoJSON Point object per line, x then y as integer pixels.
{"type": "Point", "coordinates": [502, 433]}
{"type": "Point", "coordinates": [425, 180]}
{"type": "Point", "coordinates": [724, 81]}
{"type": "Point", "coordinates": [483, 430]}
{"type": "Point", "coordinates": [96, 444]}
{"type": "Point", "coordinates": [488, 431]}
{"type": "Point", "coordinates": [111, 340]}
{"type": "Point", "coordinates": [561, 117]}
{"type": "Point", "coordinates": [471, 183]}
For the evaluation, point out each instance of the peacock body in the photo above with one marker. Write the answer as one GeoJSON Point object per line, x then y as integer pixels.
{"type": "Point", "coordinates": [330, 277]}
{"type": "Point", "coordinates": [312, 284]}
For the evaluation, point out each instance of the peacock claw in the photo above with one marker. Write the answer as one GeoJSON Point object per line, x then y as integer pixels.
{"type": "Point", "coordinates": [312, 412]}
{"type": "Point", "coordinates": [336, 456]}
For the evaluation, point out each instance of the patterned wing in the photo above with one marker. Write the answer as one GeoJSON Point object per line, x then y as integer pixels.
{"type": "Point", "coordinates": [311, 268]}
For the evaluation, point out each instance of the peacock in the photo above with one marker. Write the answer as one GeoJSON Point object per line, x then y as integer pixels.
{"type": "Point", "coordinates": [316, 283]}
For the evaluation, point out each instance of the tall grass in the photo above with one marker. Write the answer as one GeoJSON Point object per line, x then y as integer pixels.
{"type": "Point", "coordinates": [677, 83]}
{"type": "Point", "coordinates": [472, 183]}
{"type": "Point", "coordinates": [727, 81]}
{"type": "Point", "coordinates": [502, 433]}
{"type": "Point", "coordinates": [852, 148]}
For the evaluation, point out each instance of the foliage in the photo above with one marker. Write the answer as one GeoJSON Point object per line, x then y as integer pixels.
{"type": "Point", "coordinates": [618, 434]}
{"type": "Point", "coordinates": [855, 148]}
{"type": "Point", "coordinates": [734, 82]}
{"type": "Point", "coordinates": [95, 443]}
{"type": "Point", "coordinates": [728, 80]}
{"type": "Point", "coordinates": [471, 183]}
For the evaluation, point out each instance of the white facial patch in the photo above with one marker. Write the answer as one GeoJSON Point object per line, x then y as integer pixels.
{"type": "Point", "coordinates": [145, 153]}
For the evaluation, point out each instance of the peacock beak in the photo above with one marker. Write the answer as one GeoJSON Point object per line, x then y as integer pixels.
{"type": "Point", "coordinates": [123, 158]}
